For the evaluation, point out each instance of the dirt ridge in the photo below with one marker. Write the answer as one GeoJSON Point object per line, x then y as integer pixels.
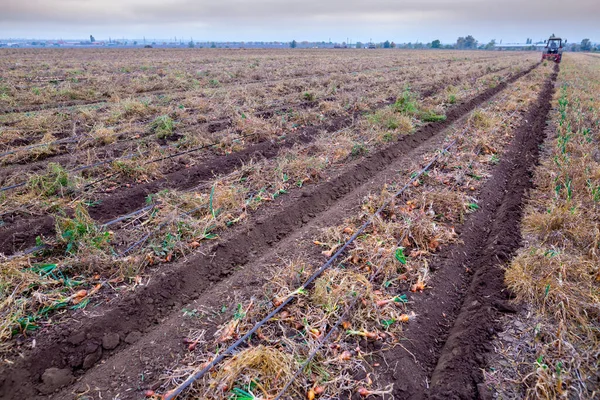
{"type": "Point", "coordinates": [461, 358]}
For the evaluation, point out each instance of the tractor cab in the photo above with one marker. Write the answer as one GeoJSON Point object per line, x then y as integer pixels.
{"type": "Point", "coordinates": [553, 45]}
{"type": "Point", "coordinates": [553, 49]}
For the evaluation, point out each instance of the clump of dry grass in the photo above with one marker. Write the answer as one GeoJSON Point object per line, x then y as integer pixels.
{"type": "Point", "coordinates": [37, 153]}
{"type": "Point", "coordinates": [481, 119]}
{"type": "Point", "coordinates": [262, 370]}
{"type": "Point", "coordinates": [390, 120]}
{"type": "Point", "coordinates": [259, 128]}
{"type": "Point", "coordinates": [139, 168]}
{"type": "Point", "coordinates": [444, 204]}
{"type": "Point", "coordinates": [55, 182]}
{"type": "Point", "coordinates": [562, 277]}
{"type": "Point", "coordinates": [8, 134]}
{"type": "Point", "coordinates": [336, 288]}
{"type": "Point", "coordinates": [132, 107]}
{"type": "Point", "coordinates": [564, 225]}
{"type": "Point", "coordinates": [102, 135]}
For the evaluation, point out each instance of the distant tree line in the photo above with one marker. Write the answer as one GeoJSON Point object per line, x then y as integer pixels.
{"type": "Point", "coordinates": [585, 45]}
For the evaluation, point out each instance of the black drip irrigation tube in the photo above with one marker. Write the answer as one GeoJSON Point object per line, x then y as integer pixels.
{"type": "Point", "coordinates": [199, 374]}
{"type": "Point", "coordinates": [171, 395]}
{"type": "Point", "coordinates": [33, 146]}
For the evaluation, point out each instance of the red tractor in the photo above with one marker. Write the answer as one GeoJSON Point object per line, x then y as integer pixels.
{"type": "Point", "coordinates": [553, 49]}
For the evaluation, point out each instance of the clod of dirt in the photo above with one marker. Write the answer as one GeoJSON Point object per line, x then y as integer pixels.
{"type": "Point", "coordinates": [504, 307]}
{"type": "Point", "coordinates": [93, 358]}
{"type": "Point", "coordinates": [484, 392]}
{"type": "Point", "coordinates": [133, 337]}
{"type": "Point", "coordinates": [110, 341]}
{"type": "Point", "coordinates": [55, 378]}
{"type": "Point", "coordinates": [77, 338]}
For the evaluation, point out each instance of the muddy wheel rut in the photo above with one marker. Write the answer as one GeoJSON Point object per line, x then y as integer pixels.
{"type": "Point", "coordinates": [21, 233]}
{"type": "Point", "coordinates": [444, 349]}
{"type": "Point", "coordinates": [77, 345]}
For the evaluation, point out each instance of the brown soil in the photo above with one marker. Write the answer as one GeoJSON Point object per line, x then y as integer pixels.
{"type": "Point", "coordinates": [150, 313]}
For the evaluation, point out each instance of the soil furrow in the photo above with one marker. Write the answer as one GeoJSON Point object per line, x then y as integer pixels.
{"type": "Point", "coordinates": [77, 346]}
{"type": "Point", "coordinates": [458, 371]}
{"type": "Point", "coordinates": [443, 350]}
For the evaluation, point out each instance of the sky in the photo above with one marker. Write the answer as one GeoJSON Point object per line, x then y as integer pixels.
{"type": "Point", "coordinates": [512, 21]}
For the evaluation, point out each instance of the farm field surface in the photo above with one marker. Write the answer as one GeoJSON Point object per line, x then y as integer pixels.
{"type": "Point", "coordinates": [265, 224]}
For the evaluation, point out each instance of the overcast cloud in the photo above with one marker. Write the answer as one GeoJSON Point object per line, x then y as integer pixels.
{"type": "Point", "coordinates": [243, 20]}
